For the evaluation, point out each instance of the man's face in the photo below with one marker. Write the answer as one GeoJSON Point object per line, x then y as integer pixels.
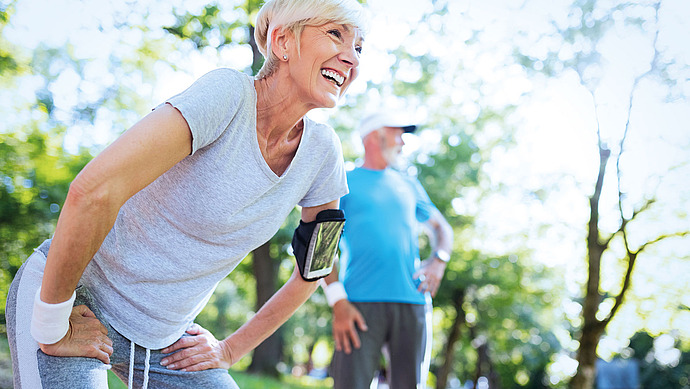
{"type": "Point", "coordinates": [391, 144]}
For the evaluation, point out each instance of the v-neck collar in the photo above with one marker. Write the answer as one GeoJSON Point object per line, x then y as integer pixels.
{"type": "Point", "coordinates": [270, 174]}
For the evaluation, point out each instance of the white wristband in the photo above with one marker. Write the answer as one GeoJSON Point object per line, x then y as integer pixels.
{"type": "Point", "coordinates": [335, 291]}
{"type": "Point", "coordinates": [50, 322]}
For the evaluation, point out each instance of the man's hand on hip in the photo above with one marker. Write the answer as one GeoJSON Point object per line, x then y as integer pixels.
{"type": "Point", "coordinates": [345, 318]}
{"type": "Point", "coordinates": [430, 275]}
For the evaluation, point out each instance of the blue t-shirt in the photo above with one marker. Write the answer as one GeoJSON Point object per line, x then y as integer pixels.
{"type": "Point", "coordinates": [380, 251]}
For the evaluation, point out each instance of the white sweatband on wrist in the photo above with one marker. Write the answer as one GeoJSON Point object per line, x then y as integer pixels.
{"type": "Point", "coordinates": [335, 291]}
{"type": "Point", "coordinates": [50, 322]}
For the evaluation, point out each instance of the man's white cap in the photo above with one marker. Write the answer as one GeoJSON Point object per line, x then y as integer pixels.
{"type": "Point", "coordinates": [381, 119]}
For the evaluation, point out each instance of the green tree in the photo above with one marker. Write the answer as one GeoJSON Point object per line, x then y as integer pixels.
{"type": "Point", "coordinates": [653, 373]}
{"type": "Point", "coordinates": [495, 306]}
{"type": "Point", "coordinates": [34, 169]}
{"type": "Point", "coordinates": [594, 24]}
{"type": "Point", "coordinates": [494, 315]}
{"type": "Point", "coordinates": [36, 175]}
{"type": "Point", "coordinates": [493, 328]}
{"type": "Point", "coordinates": [49, 130]}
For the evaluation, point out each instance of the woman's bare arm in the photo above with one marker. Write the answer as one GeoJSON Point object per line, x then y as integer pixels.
{"type": "Point", "coordinates": [134, 160]}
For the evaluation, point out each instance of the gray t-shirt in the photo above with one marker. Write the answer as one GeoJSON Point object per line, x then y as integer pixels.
{"type": "Point", "coordinates": [177, 238]}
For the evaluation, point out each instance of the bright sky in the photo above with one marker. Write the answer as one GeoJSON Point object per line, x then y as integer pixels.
{"type": "Point", "coordinates": [556, 136]}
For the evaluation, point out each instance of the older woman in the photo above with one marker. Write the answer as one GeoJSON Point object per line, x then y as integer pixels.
{"type": "Point", "coordinates": [155, 221]}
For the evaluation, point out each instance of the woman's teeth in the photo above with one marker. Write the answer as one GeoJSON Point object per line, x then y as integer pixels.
{"type": "Point", "coordinates": [333, 76]}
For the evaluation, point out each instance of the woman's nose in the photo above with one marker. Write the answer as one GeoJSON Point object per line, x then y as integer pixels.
{"type": "Point", "coordinates": [350, 56]}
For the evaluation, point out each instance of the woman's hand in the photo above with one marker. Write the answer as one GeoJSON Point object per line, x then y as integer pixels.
{"type": "Point", "coordinates": [86, 337]}
{"type": "Point", "coordinates": [199, 352]}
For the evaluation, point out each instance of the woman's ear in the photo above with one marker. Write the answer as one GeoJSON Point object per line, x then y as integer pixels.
{"type": "Point", "coordinates": [280, 43]}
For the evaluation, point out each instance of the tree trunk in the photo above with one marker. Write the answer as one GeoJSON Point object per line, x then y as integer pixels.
{"type": "Point", "coordinates": [257, 57]}
{"type": "Point", "coordinates": [267, 355]}
{"type": "Point", "coordinates": [453, 337]}
{"type": "Point", "coordinates": [310, 361]}
{"type": "Point", "coordinates": [485, 367]}
{"type": "Point", "coordinates": [592, 327]}
{"type": "Point", "coordinates": [586, 359]}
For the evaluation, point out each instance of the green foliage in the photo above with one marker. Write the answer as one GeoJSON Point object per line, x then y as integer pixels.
{"type": "Point", "coordinates": [501, 296]}
{"type": "Point", "coordinates": [231, 304]}
{"type": "Point", "coordinates": [35, 173]}
{"type": "Point", "coordinates": [499, 293]}
{"type": "Point", "coordinates": [35, 167]}
{"type": "Point", "coordinates": [208, 28]}
{"type": "Point", "coordinates": [309, 326]}
{"type": "Point", "coordinates": [653, 373]}
{"type": "Point", "coordinates": [578, 48]}
{"type": "Point", "coordinates": [217, 25]}
{"type": "Point", "coordinates": [505, 296]}
{"type": "Point", "coordinates": [426, 65]}
{"type": "Point", "coordinates": [8, 64]}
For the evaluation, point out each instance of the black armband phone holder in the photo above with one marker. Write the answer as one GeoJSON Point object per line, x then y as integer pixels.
{"type": "Point", "coordinates": [316, 243]}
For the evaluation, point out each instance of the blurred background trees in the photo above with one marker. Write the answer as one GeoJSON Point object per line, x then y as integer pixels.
{"type": "Point", "coordinates": [518, 101]}
{"type": "Point", "coordinates": [590, 28]}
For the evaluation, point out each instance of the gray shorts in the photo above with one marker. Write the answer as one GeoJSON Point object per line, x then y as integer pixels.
{"type": "Point", "coordinates": [404, 330]}
{"type": "Point", "coordinates": [34, 369]}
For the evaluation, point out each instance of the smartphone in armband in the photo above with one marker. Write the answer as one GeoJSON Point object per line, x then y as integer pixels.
{"type": "Point", "coordinates": [322, 249]}
{"type": "Point", "coordinates": [316, 243]}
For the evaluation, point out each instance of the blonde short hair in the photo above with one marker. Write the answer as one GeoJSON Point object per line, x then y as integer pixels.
{"type": "Point", "coordinates": [294, 15]}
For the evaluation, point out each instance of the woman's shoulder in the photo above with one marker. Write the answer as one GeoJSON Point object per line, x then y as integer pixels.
{"type": "Point", "coordinates": [321, 139]}
{"type": "Point", "coordinates": [320, 131]}
{"type": "Point", "coordinates": [226, 77]}
{"type": "Point", "coordinates": [225, 89]}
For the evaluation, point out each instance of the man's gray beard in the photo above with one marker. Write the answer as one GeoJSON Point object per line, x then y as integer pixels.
{"type": "Point", "coordinates": [392, 157]}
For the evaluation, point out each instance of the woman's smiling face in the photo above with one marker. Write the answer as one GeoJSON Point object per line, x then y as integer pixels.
{"type": "Point", "coordinates": [327, 63]}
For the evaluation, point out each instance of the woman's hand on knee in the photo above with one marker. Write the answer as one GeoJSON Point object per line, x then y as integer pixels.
{"type": "Point", "coordinates": [86, 337]}
{"type": "Point", "coordinates": [201, 351]}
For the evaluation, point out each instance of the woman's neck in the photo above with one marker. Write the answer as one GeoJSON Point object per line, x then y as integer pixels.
{"type": "Point", "coordinates": [278, 111]}
{"type": "Point", "coordinates": [279, 123]}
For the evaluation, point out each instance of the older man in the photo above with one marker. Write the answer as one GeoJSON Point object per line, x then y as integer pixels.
{"type": "Point", "coordinates": [384, 299]}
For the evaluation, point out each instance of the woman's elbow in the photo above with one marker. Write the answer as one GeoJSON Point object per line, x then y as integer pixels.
{"type": "Point", "coordinates": [89, 195]}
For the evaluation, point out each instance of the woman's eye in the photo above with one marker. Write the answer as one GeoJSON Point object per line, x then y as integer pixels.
{"type": "Point", "coordinates": [335, 33]}
{"type": "Point", "coordinates": [358, 49]}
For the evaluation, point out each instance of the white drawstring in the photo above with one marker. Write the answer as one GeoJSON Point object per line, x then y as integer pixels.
{"type": "Point", "coordinates": [147, 366]}
{"type": "Point", "coordinates": [131, 364]}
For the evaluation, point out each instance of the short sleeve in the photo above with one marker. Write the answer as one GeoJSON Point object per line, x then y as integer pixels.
{"type": "Point", "coordinates": [330, 182]}
{"type": "Point", "coordinates": [424, 207]}
{"type": "Point", "coordinates": [210, 103]}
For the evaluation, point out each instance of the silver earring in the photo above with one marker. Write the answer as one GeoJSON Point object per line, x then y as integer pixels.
{"type": "Point", "coordinates": [285, 57]}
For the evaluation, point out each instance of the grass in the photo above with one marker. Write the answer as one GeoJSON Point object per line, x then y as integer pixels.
{"type": "Point", "coordinates": [249, 381]}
